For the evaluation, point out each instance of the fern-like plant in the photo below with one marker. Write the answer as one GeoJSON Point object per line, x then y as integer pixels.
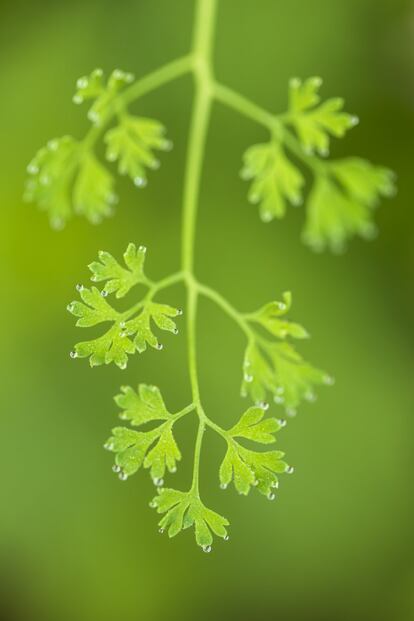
{"type": "Point", "coordinates": [67, 178]}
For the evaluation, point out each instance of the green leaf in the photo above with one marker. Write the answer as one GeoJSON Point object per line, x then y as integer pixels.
{"type": "Point", "coordinates": [132, 142]}
{"type": "Point", "coordinates": [142, 406]}
{"type": "Point", "coordinates": [141, 326]}
{"type": "Point", "coordinates": [113, 346]}
{"type": "Point", "coordinates": [269, 317]}
{"type": "Point", "coordinates": [183, 510]}
{"type": "Point", "coordinates": [275, 180]}
{"type": "Point", "coordinates": [363, 181]}
{"type": "Point", "coordinates": [93, 87]}
{"type": "Point", "coordinates": [164, 455]}
{"type": "Point", "coordinates": [130, 448]}
{"type": "Point", "coordinates": [252, 426]}
{"type": "Point", "coordinates": [94, 310]}
{"type": "Point", "coordinates": [65, 179]}
{"type": "Point", "coordinates": [120, 280]}
{"type": "Point", "coordinates": [315, 123]}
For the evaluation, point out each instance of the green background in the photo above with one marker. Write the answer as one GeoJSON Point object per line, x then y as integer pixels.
{"type": "Point", "coordinates": [337, 543]}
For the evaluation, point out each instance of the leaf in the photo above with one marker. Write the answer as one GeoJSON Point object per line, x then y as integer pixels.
{"type": "Point", "coordinates": [120, 280]}
{"type": "Point", "coordinates": [258, 375]}
{"type": "Point", "coordinates": [141, 326]}
{"type": "Point", "coordinates": [269, 317]}
{"type": "Point", "coordinates": [130, 448]}
{"type": "Point", "coordinates": [94, 87]}
{"type": "Point", "coordinates": [252, 426]}
{"type": "Point", "coordinates": [93, 192]}
{"type": "Point", "coordinates": [113, 346]}
{"type": "Point", "coordinates": [164, 455]}
{"type": "Point", "coordinates": [94, 310]}
{"type": "Point", "coordinates": [275, 179]}
{"type": "Point", "coordinates": [51, 173]}
{"type": "Point", "coordinates": [315, 123]}
{"type": "Point", "coordinates": [184, 510]}
{"type": "Point", "coordinates": [65, 179]}
{"type": "Point", "coordinates": [143, 406]}
{"type": "Point", "coordinates": [363, 181]}
{"type": "Point", "coordinates": [132, 142]}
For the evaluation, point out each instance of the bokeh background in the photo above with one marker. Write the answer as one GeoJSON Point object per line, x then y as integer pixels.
{"type": "Point", "coordinates": [338, 543]}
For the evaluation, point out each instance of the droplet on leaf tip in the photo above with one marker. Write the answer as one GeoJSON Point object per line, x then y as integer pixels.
{"type": "Point", "coordinates": [142, 249]}
{"type": "Point", "coordinates": [116, 468]}
{"type": "Point", "coordinates": [290, 470]}
{"type": "Point", "coordinates": [223, 485]}
{"type": "Point", "coordinates": [271, 496]}
{"type": "Point", "coordinates": [282, 422]}
{"type": "Point", "coordinates": [159, 346]}
{"type": "Point", "coordinates": [122, 476]}
{"type": "Point", "coordinates": [291, 412]}
{"type": "Point", "coordinates": [104, 293]}
{"type": "Point", "coordinates": [79, 287]}
{"type": "Point", "coordinates": [158, 482]}
{"type": "Point", "coordinates": [206, 549]}
{"type": "Point", "coordinates": [73, 354]}
{"type": "Point", "coordinates": [140, 182]}
{"type": "Point", "coordinates": [226, 537]}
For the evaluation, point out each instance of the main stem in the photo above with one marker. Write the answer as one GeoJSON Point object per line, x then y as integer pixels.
{"type": "Point", "coordinates": [203, 80]}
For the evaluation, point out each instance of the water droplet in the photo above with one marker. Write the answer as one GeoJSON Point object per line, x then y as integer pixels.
{"type": "Point", "coordinates": [274, 484]}
{"type": "Point", "coordinates": [207, 549]}
{"type": "Point", "coordinates": [111, 156]}
{"type": "Point", "coordinates": [328, 380]}
{"type": "Point", "coordinates": [282, 422]}
{"type": "Point", "coordinates": [77, 99]}
{"type": "Point", "coordinates": [297, 200]}
{"type": "Point", "coordinates": [152, 504]}
{"type": "Point", "coordinates": [161, 530]}
{"type": "Point", "coordinates": [223, 485]}
{"type": "Point", "coordinates": [122, 476]}
{"type": "Point", "coordinates": [294, 83]}
{"type": "Point", "coordinates": [175, 331]}
{"type": "Point", "coordinates": [167, 145]}
{"type": "Point", "coordinates": [142, 249]}
{"type": "Point", "coordinates": [122, 324]}
{"type": "Point", "coordinates": [179, 311]}
{"type": "Point", "coordinates": [79, 287]}
{"type": "Point", "coordinates": [116, 468]}
{"type": "Point", "coordinates": [263, 405]}
{"type": "Point", "coordinates": [255, 483]}
{"type": "Point", "coordinates": [290, 470]}
{"type": "Point", "coordinates": [280, 390]}
{"type": "Point", "coordinates": [159, 346]}
{"type": "Point", "coordinates": [173, 470]}
{"type": "Point", "coordinates": [70, 307]}
{"type": "Point", "coordinates": [278, 399]}
{"type": "Point", "coordinates": [94, 278]}
{"type": "Point", "coordinates": [281, 306]}
{"type": "Point", "coordinates": [248, 378]}
{"type": "Point", "coordinates": [94, 117]}
{"type": "Point", "coordinates": [104, 293]}
{"type": "Point", "coordinates": [123, 334]}
{"type": "Point", "coordinates": [108, 446]}
{"type": "Point", "coordinates": [155, 164]}
{"type": "Point", "coordinates": [122, 366]}
{"type": "Point", "coordinates": [82, 82]}
{"type": "Point", "coordinates": [123, 416]}
{"type": "Point", "coordinates": [354, 121]}
{"type": "Point", "coordinates": [310, 396]}
{"type": "Point", "coordinates": [226, 537]}
{"type": "Point", "coordinates": [291, 412]}
{"type": "Point", "coordinates": [32, 169]}
{"type": "Point", "coordinates": [73, 354]}
{"type": "Point", "coordinates": [158, 482]}
{"type": "Point", "coordinates": [140, 182]}
{"type": "Point", "coordinates": [271, 496]}
{"type": "Point", "coordinates": [52, 145]}
{"type": "Point", "coordinates": [254, 199]}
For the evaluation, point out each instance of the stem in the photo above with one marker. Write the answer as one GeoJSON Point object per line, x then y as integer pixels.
{"type": "Point", "coordinates": [202, 52]}
{"type": "Point", "coordinates": [218, 299]}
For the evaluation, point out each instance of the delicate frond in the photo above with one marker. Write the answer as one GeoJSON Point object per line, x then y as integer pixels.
{"type": "Point", "coordinates": [143, 406]}
{"type": "Point", "coordinates": [132, 142]}
{"type": "Point", "coordinates": [118, 279]}
{"type": "Point", "coordinates": [183, 510]}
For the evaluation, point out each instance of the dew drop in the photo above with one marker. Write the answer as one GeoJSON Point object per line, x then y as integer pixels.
{"type": "Point", "coordinates": [104, 293]}
{"type": "Point", "coordinates": [70, 307]}
{"type": "Point", "coordinates": [310, 396]}
{"type": "Point", "coordinates": [168, 145]}
{"type": "Point", "coordinates": [122, 366]}
{"type": "Point", "coordinates": [291, 412]}
{"type": "Point", "coordinates": [116, 468]}
{"type": "Point", "coordinates": [223, 485]}
{"type": "Point", "coordinates": [152, 504]}
{"type": "Point", "coordinates": [155, 164]}
{"type": "Point", "coordinates": [274, 484]}
{"type": "Point", "coordinates": [82, 82]}
{"type": "Point", "coordinates": [226, 537]}
{"type": "Point", "coordinates": [108, 446]}
{"type": "Point", "coordinates": [158, 482]}
{"type": "Point", "coordinates": [282, 422]}
{"type": "Point", "coordinates": [266, 216]}
{"type": "Point", "coordinates": [122, 476]}
{"type": "Point", "coordinates": [142, 249]}
{"type": "Point", "coordinates": [354, 121]}
{"type": "Point", "coordinates": [207, 549]}
{"type": "Point", "coordinates": [278, 399]}
{"type": "Point", "coordinates": [140, 182]}
{"type": "Point", "coordinates": [248, 378]}
{"type": "Point", "coordinates": [263, 405]}
{"type": "Point", "coordinates": [290, 470]}
{"type": "Point", "coordinates": [77, 99]}
{"type": "Point", "coordinates": [173, 470]}
{"type": "Point", "coordinates": [271, 496]}
{"type": "Point", "coordinates": [280, 390]}
{"type": "Point", "coordinates": [161, 530]}
{"type": "Point", "coordinates": [73, 354]}
{"type": "Point", "coordinates": [79, 287]}
{"type": "Point", "coordinates": [122, 324]}
{"type": "Point", "coordinates": [328, 380]}
{"type": "Point", "coordinates": [160, 346]}
{"type": "Point", "coordinates": [281, 306]}
{"type": "Point", "coordinates": [179, 311]}
{"type": "Point", "coordinates": [175, 331]}
{"type": "Point", "coordinates": [53, 145]}
{"type": "Point", "coordinates": [255, 483]}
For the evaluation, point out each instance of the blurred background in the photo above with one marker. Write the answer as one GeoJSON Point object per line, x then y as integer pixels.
{"type": "Point", "coordinates": [338, 542]}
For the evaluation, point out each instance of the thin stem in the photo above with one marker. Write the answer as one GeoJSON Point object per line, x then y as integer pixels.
{"type": "Point", "coordinates": [218, 299]}
{"type": "Point", "coordinates": [202, 53]}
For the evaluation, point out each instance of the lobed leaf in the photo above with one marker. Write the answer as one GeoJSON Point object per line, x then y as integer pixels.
{"type": "Point", "coordinates": [120, 280]}
{"type": "Point", "coordinates": [142, 406]}
{"type": "Point", "coordinates": [183, 510]}
{"type": "Point", "coordinates": [269, 318]}
{"type": "Point", "coordinates": [132, 143]}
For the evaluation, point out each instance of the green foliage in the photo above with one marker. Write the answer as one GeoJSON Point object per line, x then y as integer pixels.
{"type": "Point", "coordinates": [115, 344]}
{"type": "Point", "coordinates": [274, 366]}
{"type": "Point", "coordinates": [132, 142]}
{"type": "Point", "coordinates": [344, 192]}
{"type": "Point", "coordinates": [184, 509]}
{"type": "Point", "coordinates": [248, 468]}
{"type": "Point", "coordinates": [133, 448]}
{"type": "Point", "coordinates": [66, 178]}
